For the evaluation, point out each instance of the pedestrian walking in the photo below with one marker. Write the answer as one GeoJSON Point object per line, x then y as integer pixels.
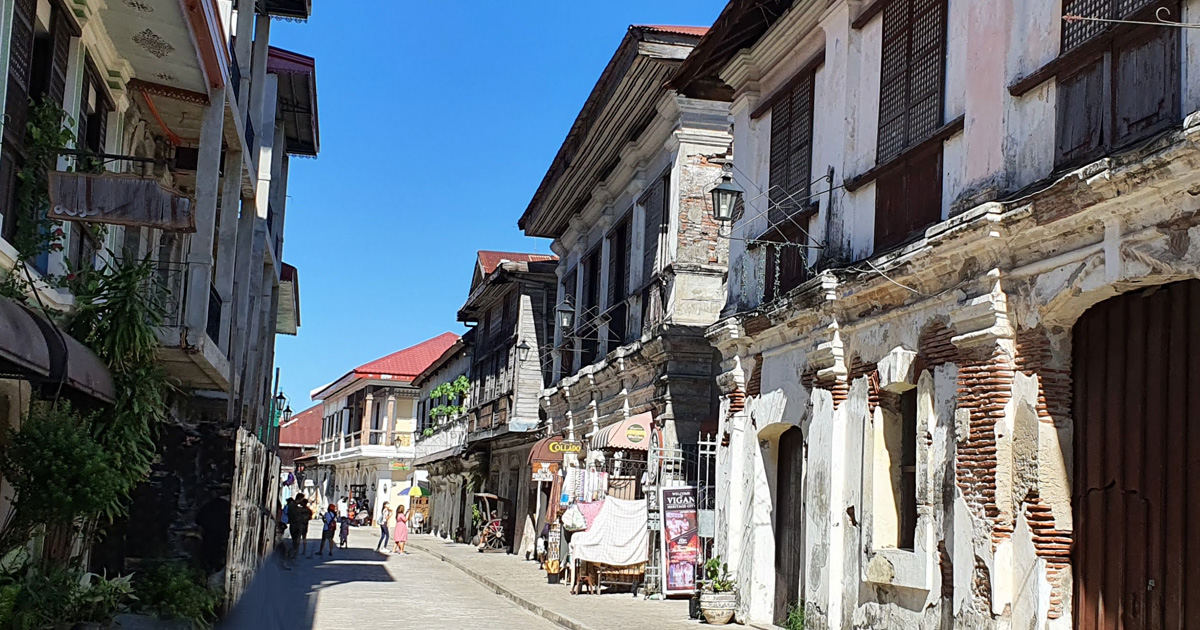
{"type": "Point", "coordinates": [344, 521]}
{"type": "Point", "coordinates": [329, 523]}
{"type": "Point", "coordinates": [305, 517]}
{"type": "Point", "coordinates": [385, 513]}
{"type": "Point", "coordinates": [400, 537]}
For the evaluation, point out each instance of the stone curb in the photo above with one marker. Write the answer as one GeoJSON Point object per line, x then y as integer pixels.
{"type": "Point", "coordinates": [549, 615]}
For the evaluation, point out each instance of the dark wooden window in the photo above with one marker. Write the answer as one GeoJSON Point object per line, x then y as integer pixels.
{"type": "Point", "coordinates": [911, 110]}
{"type": "Point", "coordinates": [587, 322]}
{"type": "Point", "coordinates": [655, 203]}
{"type": "Point", "coordinates": [568, 336]}
{"type": "Point", "coordinates": [785, 265]}
{"type": "Point", "coordinates": [93, 115]}
{"type": "Point", "coordinates": [37, 69]}
{"type": "Point", "coordinates": [1123, 85]}
{"type": "Point", "coordinates": [619, 253]}
{"type": "Point", "coordinates": [791, 149]}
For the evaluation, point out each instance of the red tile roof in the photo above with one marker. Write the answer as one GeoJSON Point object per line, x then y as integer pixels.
{"type": "Point", "coordinates": [304, 428]}
{"type": "Point", "coordinates": [409, 362]}
{"type": "Point", "coordinates": [490, 260]}
{"type": "Point", "coordinates": [697, 31]}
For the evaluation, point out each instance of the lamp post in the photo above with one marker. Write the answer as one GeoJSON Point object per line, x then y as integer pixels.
{"type": "Point", "coordinates": [280, 402]}
{"type": "Point", "coordinates": [724, 197]}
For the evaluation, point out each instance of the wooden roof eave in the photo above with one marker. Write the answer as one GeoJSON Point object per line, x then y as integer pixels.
{"type": "Point", "coordinates": [561, 196]}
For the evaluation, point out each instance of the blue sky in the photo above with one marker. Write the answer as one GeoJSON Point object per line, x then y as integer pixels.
{"type": "Point", "coordinates": [438, 121]}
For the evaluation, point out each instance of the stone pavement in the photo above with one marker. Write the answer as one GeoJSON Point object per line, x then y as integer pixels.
{"type": "Point", "coordinates": [522, 582]}
{"type": "Point", "coordinates": [359, 589]}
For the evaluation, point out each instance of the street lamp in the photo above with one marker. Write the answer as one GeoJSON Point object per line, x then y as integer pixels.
{"type": "Point", "coordinates": [566, 316]}
{"type": "Point", "coordinates": [287, 414]}
{"type": "Point", "coordinates": [725, 196]}
{"type": "Point", "coordinates": [523, 349]}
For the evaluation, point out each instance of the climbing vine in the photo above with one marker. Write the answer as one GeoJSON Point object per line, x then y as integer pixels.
{"type": "Point", "coordinates": [47, 135]}
{"type": "Point", "coordinates": [454, 391]}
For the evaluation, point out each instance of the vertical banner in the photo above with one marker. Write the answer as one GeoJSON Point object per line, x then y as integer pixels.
{"type": "Point", "coordinates": [681, 540]}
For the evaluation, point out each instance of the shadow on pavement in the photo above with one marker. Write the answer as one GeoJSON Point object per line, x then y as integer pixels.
{"type": "Point", "coordinates": [284, 595]}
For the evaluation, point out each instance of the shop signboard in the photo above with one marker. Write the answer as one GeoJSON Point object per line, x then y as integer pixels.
{"type": "Point", "coordinates": [681, 540]}
{"type": "Point", "coordinates": [545, 471]}
{"type": "Point", "coordinates": [401, 466]}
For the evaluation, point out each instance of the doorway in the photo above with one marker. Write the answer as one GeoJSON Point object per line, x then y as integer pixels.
{"type": "Point", "coordinates": [1136, 492]}
{"type": "Point", "coordinates": [789, 515]}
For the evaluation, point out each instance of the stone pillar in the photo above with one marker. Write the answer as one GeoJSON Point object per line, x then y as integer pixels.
{"type": "Point", "coordinates": [258, 79]}
{"type": "Point", "coordinates": [231, 199]}
{"type": "Point", "coordinates": [199, 257]}
{"type": "Point", "coordinates": [368, 408]}
{"type": "Point", "coordinates": [389, 421]}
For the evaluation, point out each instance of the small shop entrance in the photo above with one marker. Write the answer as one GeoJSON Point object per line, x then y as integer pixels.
{"type": "Point", "coordinates": [789, 514]}
{"type": "Point", "coordinates": [1136, 375]}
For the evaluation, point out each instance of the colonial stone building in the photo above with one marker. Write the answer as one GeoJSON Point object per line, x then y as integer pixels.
{"type": "Point", "coordinates": [370, 425]}
{"type": "Point", "coordinates": [961, 334]}
{"type": "Point", "coordinates": [195, 102]}
{"type": "Point", "coordinates": [509, 309]}
{"type": "Point", "coordinates": [642, 271]}
{"type": "Point", "coordinates": [442, 425]}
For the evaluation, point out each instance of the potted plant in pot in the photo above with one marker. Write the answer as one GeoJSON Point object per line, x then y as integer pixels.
{"type": "Point", "coordinates": [718, 600]}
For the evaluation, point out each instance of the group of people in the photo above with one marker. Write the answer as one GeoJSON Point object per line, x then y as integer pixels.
{"type": "Point", "coordinates": [297, 513]}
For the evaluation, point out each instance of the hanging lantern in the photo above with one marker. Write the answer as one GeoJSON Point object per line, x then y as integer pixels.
{"type": "Point", "coordinates": [566, 316]}
{"type": "Point", "coordinates": [724, 197]}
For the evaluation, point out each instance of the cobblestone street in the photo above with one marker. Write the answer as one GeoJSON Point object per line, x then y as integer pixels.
{"type": "Point", "coordinates": [439, 586]}
{"type": "Point", "coordinates": [359, 588]}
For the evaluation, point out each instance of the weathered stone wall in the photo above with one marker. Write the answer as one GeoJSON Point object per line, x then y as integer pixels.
{"type": "Point", "coordinates": [978, 316]}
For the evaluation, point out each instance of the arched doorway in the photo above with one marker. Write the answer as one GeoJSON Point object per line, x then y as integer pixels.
{"type": "Point", "coordinates": [789, 516]}
{"type": "Point", "coordinates": [1136, 492]}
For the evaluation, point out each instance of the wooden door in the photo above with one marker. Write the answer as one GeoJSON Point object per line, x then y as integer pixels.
{"type": "Point", "coordinates": [789, 516]}
{"type": "Point", "coordinates": [1136, 493]}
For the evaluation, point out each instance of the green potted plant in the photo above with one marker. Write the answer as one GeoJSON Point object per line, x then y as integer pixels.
{"type": "Point", "coordinates": [718, 599]}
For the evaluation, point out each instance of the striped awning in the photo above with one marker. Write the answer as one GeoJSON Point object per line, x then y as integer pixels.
{"type": "Point", "coordinates": [631, 434]}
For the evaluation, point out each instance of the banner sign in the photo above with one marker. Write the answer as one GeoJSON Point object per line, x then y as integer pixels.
{"type": "Point", "coordinates": [565, 447]}
{"type": "Point", "coordinates": [120, 200]}
{"type": "Point", "coordinates": [681, 540]}
{"type": "Point", "coordinates": [545, 471]}
{"type": "Point", "coordinates": [400, 466]}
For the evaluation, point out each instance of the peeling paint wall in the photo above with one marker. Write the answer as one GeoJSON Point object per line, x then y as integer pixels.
{"type": "Point", "coordinates": [985, 308]}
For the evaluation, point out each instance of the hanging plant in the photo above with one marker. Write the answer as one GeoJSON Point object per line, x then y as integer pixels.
{"type": "Point", "coordinates": [47, 134]}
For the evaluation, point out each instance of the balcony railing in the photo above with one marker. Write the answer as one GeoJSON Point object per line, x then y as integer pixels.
{"type": "Point", "coordinates": [168, 285]}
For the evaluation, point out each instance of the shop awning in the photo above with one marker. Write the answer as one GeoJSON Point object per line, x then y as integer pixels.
{"type": "Point", "coordinates": [34, 349]}
{"type": "Point", "coordinates": [629, 434]}
{"type": "Point", "coordinates": [23, 351]}
{"type": "Point", "coordinates": [74, 365]}
{"type": "Point", "coordinates": [552, 449]}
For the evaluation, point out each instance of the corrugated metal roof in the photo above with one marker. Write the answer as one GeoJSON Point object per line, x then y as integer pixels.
{"type": "Point", "coordinates": [411, 361]}
{"type": "Point", "coordinates": [489, 260]}
{"type": "Point", "coordinates": [304, 428]}
{"type": "Point", "coordinates": [697, 31]}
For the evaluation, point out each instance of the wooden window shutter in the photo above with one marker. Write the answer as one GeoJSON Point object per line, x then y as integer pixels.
{"type": "Point", "coordinates": [791, 149]}
{"type": "Point", "coordinates": [1077, 32]}
{"type": "Point", "coordinates": [893, 80]}
{"type": "Point", "coordinates": [779, 172]}
{"type": "Point", "coordinates": [61, 33]}
{"type": "Point", "coordinates": [618, 262]}
{"type": "Point", "coordinates": [908, 197]}
{"type": "Point", "coordinates": [912, 76]}
{"type": "Point", "coordinates": [1146, 81]}
{"type": "Point", "coordinates": [653, 202]}
{"type": "Point", "coordinates": [1080, 113]}
{"type": "Point", "coordinates": [20, 67]}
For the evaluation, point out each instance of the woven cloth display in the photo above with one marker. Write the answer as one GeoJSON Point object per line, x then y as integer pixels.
{"type": "Point", "coordinates": [617, 537]}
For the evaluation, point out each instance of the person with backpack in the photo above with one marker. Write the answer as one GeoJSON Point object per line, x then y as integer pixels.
{"type": "Point", "coordinates": [329, 523]}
